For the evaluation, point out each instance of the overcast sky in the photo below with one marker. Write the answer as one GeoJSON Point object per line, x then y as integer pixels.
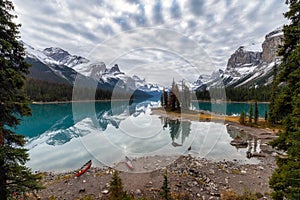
{"type": "Point", "coordinates": [156, 39]}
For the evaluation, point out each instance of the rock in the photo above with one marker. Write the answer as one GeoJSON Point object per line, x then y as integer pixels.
{"type": "Point", "coordinates": [260, 167]}
{"type": "Point", "coordinates": [207, 180]}
{"type": "Point", "coordinates": [84, 181]}
{"type": "Point", "coordinates": [226, 180]}
{"type": "Point", "coordinates": [138, 191]}
{"type": "Point", "coordinates": [104, 191]}
{"type": "Point", "coordinates": [215, 194]}
{"type": "Point", "coordinates": [81, 190]}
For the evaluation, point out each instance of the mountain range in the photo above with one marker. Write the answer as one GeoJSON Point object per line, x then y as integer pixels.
{"type": "Point", "coordinates": [56, 65]}
{"type": "Point", "coordinates": [250, 66]}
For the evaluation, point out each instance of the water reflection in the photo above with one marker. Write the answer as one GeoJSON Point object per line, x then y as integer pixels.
{"type": "Point", "coordinates": [251, 144]}
{"type": "Point", "coordinates": [107, 132]}
{"type": "Point", "coordinates": [179, 130]}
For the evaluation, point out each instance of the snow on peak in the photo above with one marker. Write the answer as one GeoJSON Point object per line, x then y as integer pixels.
{"type": "Point", "coordinates": [275, 33]}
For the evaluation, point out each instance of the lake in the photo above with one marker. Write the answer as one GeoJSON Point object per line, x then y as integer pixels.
{"type": "Point", "coordinates": [61, 137]}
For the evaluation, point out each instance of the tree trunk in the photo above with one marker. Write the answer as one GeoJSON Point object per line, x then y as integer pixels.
{"type": "Point", "coordinates": [3, 193]}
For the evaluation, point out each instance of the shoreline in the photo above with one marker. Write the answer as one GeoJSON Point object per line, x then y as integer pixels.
{"type": "Point", "coordinates": [229, 121]}
{"type": "Point", "coordinates": [198, 177]}
{"type": "Point", "coordinates": [109, 100]}
{"type": "Point", "coordinates": [76, 101]}
{"type": "Point", "coordinates": [229, 101]}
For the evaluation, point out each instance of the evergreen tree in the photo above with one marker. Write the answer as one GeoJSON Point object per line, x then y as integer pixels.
{"type": "Point", "coordinates": [15, 177]}
{"type": "Point", "coordinates": [272, 113]}
{"type": "Point", "coordinates": [166, 99]}
{"type": "Point", "coordinates": [116, 188]}
{"type": "Point", "coordinates": [250, 114]}
{"type": "Point", "coordinates": [242, 118]}
{"type": "Point", "coordinates": [186, 97]}
{"type": "Point", "coordinates": [256, 113]}
{"type": "Point", "coordinates": [285, 180]}
{"type": "Point", "coordinates": [266, 116]}
{"type": "Point", "coordinates": [165, 189]}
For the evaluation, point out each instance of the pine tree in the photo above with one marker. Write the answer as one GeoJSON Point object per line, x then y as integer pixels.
{"type": "Point", "coordinates": [272, 113]}
{"type": "Point", "coordinates": [116, 188]}
{"type": "Point", "coordinates": [242, 118]}
{"type": "Point", "coordinates": [285, 180]}
{"type": "Point", "coordinates": [165, 189]}
{"type": "Point", "coordinates": [15, 177]}
{"type": "Point", "coordinates": [162, 100]}
{"type": "Point", "coordinates": [166, 98]}
{"type": "Point", "coordinates": [256, 113]}
{"type": "Point", "coordinates": [266, 116]}
{"type": "Point", "coordinates": [250, 114]}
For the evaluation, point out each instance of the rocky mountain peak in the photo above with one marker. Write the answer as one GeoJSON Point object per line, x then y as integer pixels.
{"type": "Point", "coordinates": [63, 57]}
{"type": "Point", "coordinates": [250, 65]}
{"type": "Point", "coordinates": [56, 53]}
{"type": "Point", "coordinates": [114, 69]}
{"type": "Point", "coordinates": [271, 45]}
{"type": "Point", "coordinates": [242, 57]}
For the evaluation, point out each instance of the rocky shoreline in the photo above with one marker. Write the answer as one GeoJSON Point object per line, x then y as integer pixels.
{"type": "Point", "coordinates": [188, 175]}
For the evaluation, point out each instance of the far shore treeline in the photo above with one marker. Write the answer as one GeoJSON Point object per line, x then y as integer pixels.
{"type": "Point", "coordinates": [45, 91]}
{"type": "Point", "coordinates": [261, 93]}
{"type": "Point", "coordinates": [38, 90]}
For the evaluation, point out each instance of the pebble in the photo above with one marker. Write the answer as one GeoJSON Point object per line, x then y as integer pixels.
{"type": "Point", "coordinates": [261, 167]}
{"type": "Point", "coordinates": [226, 180]}
{"type": "Point", "coordinates": [104, 191]}
{"type": "Point", "coordinates": [138, 191]}
{"type": "Point", "coordinates": [81, 190]}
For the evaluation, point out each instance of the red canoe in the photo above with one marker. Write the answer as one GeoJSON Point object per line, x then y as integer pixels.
{"type": "Point", "coordinates": [128, 163]}
{"type": "Point", "coordinates": [84, 168]}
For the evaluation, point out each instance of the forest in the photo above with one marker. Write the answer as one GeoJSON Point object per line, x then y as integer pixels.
{"type": "Point", "coordinates": [38, 90]}
{"type": "Point", "coordinates": [262, 93]}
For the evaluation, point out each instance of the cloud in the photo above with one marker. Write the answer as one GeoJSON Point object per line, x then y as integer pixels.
{"type": "Point", "coordinates": [149, 36]}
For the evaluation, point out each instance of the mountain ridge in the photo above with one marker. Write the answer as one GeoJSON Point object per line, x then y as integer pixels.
{"type": "Point", "coordinates": [56, 65]}
{"type": "Point", "coordinates": [247, 66]}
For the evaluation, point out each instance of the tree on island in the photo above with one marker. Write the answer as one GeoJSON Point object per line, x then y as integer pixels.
{"type": "Point", "coordinates": [285, 180]}
{"type": "Point", "coordinates": [15, 177]}
{"type": "Point", "coordinates": [185, 97]}
{"type": "Point", "coordinates": [250, 114]}
{"type": "Point", "coordinates": [256, 113]}
{"type": "Point", "coordinates": [176, 100]}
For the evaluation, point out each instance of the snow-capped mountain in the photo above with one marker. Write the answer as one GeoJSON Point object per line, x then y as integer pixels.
{"type": "Point", "coordinates": [57, 65]}
{"type": "Point", "coordinates": [250, 65]}
{"type": "Point", "coordinates": [62, 57]}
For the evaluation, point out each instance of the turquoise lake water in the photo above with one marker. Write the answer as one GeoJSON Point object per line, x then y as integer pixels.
{"type": "Point", "coordinates": [63, 136]}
